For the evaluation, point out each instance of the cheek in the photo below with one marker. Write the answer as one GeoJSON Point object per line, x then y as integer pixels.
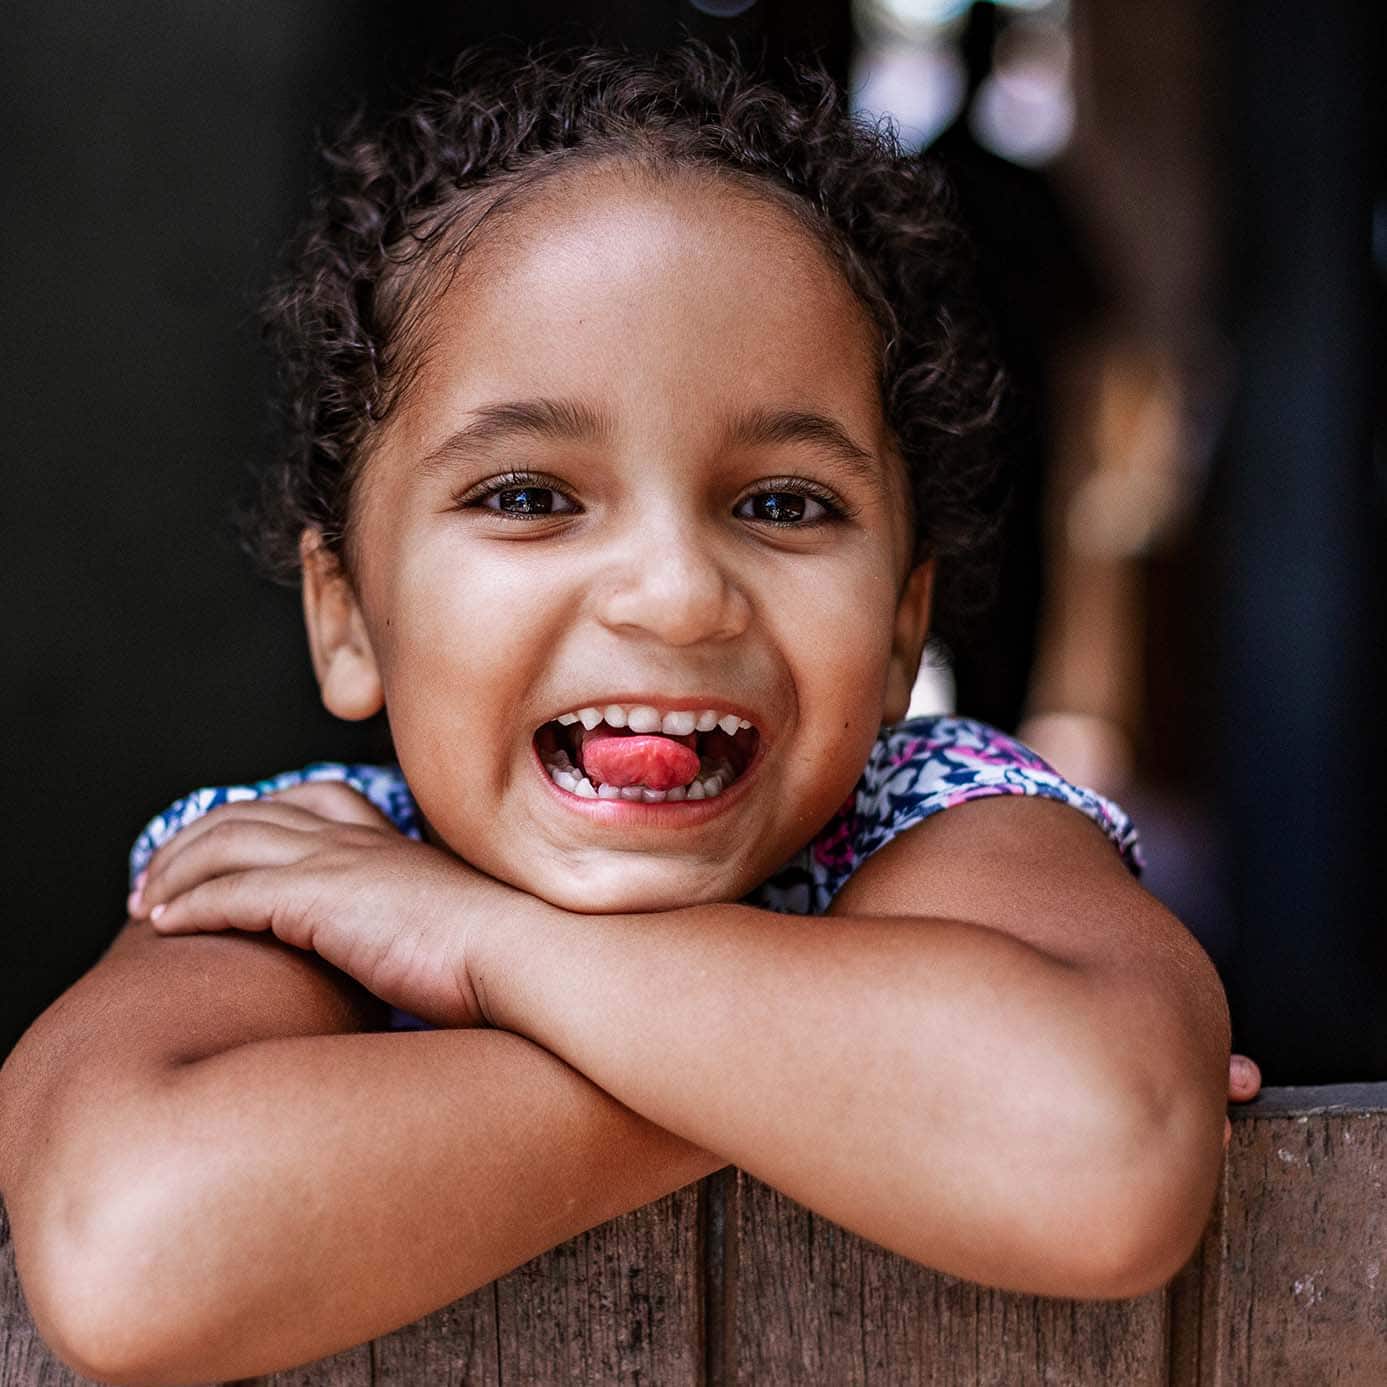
{"type": "Point", "coordinates": [463, 639]}
{"type": "Point", "coordinates": [841, 631]}
{"type": "Point", "coordinates": [838, 642]}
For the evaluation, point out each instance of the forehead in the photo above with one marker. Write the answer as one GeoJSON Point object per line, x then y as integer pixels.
{"type": "Point", "coordinates": [654, 298]}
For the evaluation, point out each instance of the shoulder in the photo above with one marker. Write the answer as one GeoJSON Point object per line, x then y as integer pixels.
{"type": "Point", "coordinates": [926, 765]}
{"type": "Point", "coordinates": [916, 770]}
{"type": "Point", "coordinates": [384, 786]}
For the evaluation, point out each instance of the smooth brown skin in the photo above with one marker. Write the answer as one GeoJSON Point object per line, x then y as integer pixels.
{"type": "Point", "coordinates": [997, 1054]}
{"type": "Point", "coordinates": [220, 1037]}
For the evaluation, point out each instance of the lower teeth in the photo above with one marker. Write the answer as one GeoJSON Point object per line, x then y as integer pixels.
{"type": "Point", "coordinates": [707, 786]}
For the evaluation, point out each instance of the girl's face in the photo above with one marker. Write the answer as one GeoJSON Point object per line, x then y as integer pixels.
{"type": "Point", "coordinates": [575, 505]}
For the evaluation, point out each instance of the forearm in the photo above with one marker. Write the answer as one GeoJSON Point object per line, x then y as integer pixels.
{"type": "Point", "coordinates": [285, 1199]}
{"type": "Point", "coordinates": [939, 1087]}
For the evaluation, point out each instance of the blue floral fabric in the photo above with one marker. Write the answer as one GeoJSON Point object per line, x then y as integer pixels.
{"type": "Point", "coordinates": [915, 769]}
{"type": "Point", "coordinates": [919, 768]}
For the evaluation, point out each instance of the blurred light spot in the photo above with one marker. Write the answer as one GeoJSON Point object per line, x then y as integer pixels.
{"type": "Point", "coordinates": [1139, 483]}
{"type": "Point", "coordinates": [1024, 110]}
{"type": "Point", "coordinates": [910, 19]}
{"type": "Point", "coordinates": [925, 21]}
{"type": "Point", "coordinates": [1120, 515]}
{"type": "Point", "coordinates": [920, 87]}
{"type": "Point", "coordinates": [1084, 748]}
{"type": "Point", "coordinates": [934, 692]}
{"type": "Point", "coordinates": [722, 9]}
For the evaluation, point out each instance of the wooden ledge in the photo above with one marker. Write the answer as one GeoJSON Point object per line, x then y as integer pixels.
{"type": "Point", "coordinates": [1361, 1100]}
{"type": "Point", "coordinates": [730, 1284]}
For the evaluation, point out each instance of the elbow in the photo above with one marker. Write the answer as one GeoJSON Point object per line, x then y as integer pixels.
{"type": "Point", "coordinates": [79, 1315]}
{"type": "Point", "coordinates": [1144, 1213]}
{"type": "Point", "coordinates": [1144, 1138]}
{"type": "Point", "coordinates": [77, 1326]}
{"type": "Point", "coordinates": [104, 1295]}
{"type": "Point", "coordinates": [1136, 1252]}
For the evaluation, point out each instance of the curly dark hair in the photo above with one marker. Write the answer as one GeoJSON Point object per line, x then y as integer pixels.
{"type": "Point", "coordinates": [401, 202]}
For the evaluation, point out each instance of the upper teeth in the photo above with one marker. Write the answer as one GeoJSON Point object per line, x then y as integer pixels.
{"type": "Point", "coordinates": [640, 717]}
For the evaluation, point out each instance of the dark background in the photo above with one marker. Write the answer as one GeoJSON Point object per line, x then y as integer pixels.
{"type": "Point", "coordinates": [158, 153]}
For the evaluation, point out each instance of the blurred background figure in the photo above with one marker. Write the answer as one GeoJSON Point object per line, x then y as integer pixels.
{"type": "Point", "coordinates": [1181, 219]}
{"type": "Point", "coordinates": [1120, 379]}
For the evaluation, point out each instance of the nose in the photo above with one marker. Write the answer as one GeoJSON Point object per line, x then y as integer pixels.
{"type": "Point", "coordinates": [670, 583]}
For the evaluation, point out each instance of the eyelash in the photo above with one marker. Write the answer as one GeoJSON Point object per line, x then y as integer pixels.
{"type": "Point", "coordinates": [835, 509]}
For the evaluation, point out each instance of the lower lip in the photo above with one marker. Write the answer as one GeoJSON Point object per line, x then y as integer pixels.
{"type": "Point", "coordinates": [629, 813]}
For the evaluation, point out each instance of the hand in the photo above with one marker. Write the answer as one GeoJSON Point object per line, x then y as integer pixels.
{"type": "Point", "coordinates": [320, 868]}
{"type": "Point", "coordinates": [1244, 1084]}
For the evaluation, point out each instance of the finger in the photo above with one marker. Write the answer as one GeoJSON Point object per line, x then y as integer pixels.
{"type": "Point", "coordinates": [245, 900]}
{"type": "Point", "coordinates": [1244, 1079]}
{"type": "Point", "coordinates": [1227, 1133]}
{"type": "Point", "coordinates": [230, 845]}
{"type": "Point", "coordinates": [261, 810]}
{"type": "Point", "coordinates": [334, 799]}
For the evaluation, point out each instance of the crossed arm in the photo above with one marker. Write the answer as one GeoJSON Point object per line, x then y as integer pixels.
{"type": "Point", "coordinates": [997, 1056]}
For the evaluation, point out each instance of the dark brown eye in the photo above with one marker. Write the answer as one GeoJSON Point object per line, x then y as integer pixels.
{"type": "Point", "coordinates": [528, 500]}
{"type": "Point", "coordinates": [535, 500]}
{"type": "Point", "coordinates": [784, 508]}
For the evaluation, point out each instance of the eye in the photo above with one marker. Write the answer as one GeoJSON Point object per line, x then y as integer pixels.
{"type": "Point", "coordinates": [519, 496]}
{"type": "Point", "coordinates": [798, 506]}
{"type": "Point", "coordinates": [529, 500]}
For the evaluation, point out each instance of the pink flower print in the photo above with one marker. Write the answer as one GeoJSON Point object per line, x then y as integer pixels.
{"type": "Point", "coordinates": [1003, 751]}
{"type": "Point", "coordinates": [833, 847]}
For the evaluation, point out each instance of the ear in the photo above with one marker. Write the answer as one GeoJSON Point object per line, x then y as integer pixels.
{"type": "Point", "coordinates": [908, 641]}
{"type": "Point", "coordinates": [343, 660]}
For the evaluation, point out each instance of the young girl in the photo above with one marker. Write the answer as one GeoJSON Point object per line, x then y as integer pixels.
{"type": "Point", "coordinates": [637, 412]}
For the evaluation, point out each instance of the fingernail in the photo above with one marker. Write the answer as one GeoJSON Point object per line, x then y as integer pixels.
{"type": "Point", "coordinates": [132, 903]}
{"type": "Point", "coordinates": [157, 911]}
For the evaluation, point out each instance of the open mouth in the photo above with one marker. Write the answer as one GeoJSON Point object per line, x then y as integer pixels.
{"type": "Point", "coordinates": [636, 752]}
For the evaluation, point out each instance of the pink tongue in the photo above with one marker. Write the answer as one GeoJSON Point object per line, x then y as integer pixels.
{"type": "Point", "coordinates": [610, 757]}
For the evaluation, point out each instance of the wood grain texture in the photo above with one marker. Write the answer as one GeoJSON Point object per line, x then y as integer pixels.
{"type": "Point", "coordinates": [454, 1347]}
{"type": "Point", "coordinates": [350, 1368]}
{"type": "Point", "coordinates": [1292, 1283]}
{"type": "Point", "coordinates": [817, 1305]}
{"type": "Point", "coordinates": [620, 1304]}
{"type": "Point", "coordinates": [732, 1283]}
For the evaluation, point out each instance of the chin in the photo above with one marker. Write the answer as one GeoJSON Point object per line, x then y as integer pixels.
{"type": "Point", "coordinates": [620, 891]}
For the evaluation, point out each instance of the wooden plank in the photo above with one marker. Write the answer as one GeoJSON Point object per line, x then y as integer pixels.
{"type": "Point", "coordinates": [1184, 1297]}
{"type": "Point", "coordinates": [1294, 1291]}
{"type": "Point", "coordinates": [350, 1368]}
{"type": "Point", "coordinates": [454, 1347]}
{"type": "Point", "coordinates": [620, 1305]}
{"type": "Point", "coordinates": [818, 1305]}
{"type": "Point", "coordinates": [718, 1234]}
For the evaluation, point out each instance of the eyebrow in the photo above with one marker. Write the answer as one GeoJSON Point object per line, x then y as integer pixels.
{"type": "Point", "coordinates": [572, 421]}
{"type": "Point", "coordinates": [559, 420]}
{"type": "Point", "coordinates": [762, 427]}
